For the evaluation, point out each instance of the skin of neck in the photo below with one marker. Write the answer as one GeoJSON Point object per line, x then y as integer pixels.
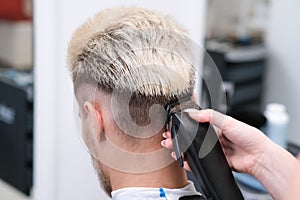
{"type": "Point", "coordinates": [172, 176]}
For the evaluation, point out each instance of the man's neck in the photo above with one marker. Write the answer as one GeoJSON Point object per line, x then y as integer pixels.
{"type": "Point", "coordinates": [171, 176]}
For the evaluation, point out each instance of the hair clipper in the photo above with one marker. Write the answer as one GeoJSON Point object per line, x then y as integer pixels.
{"type": "Point", "coordinates": [192, 138]}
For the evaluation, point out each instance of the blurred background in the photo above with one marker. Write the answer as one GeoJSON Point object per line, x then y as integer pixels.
{"type": "Point", "coordinates": [254, 43]}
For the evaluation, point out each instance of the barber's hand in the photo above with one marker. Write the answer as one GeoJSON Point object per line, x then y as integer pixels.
{"type": "Point", "coordinates": [243, 145]}
{"type": "Point", "coordinates": [168, 143]}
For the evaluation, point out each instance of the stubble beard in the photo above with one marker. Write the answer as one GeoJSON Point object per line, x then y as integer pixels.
{"type": "Point", "coordinates": [102, 176]}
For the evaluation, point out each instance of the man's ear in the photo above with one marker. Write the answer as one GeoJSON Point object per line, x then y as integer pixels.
{"type": "Point", "coordinates": [94, 118]}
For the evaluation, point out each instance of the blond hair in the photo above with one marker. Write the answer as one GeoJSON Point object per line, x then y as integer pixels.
{"type": "Point", "coordinates": [135, 49]}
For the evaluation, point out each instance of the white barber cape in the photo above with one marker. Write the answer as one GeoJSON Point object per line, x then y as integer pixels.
{"type": "Point", "coordinates": [140, 193]}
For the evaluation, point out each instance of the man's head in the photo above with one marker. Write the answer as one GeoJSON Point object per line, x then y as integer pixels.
{"type": "Point", "coordinates": [126, 64]}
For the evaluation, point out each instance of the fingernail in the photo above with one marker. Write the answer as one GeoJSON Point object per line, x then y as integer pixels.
{"type": "Point", "coordinates": [194, 114]}
{"type": "Point", "coordinates": [197, 114]}
{"type": "Point", "coordinates": [162, 143]}
{"type": "Point", "coordinates": [164, 135]}
{"type": "Point", "coordinates": [191, 110]}
{"type": "Point", "coordinates": [173, 155]}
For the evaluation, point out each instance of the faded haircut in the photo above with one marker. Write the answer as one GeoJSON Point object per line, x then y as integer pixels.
{"type": "Point", "coordinates": [135, 50]}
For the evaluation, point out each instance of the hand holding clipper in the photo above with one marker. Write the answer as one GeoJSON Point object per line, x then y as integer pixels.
{"type": "Point", "coordinates": [192, 138]}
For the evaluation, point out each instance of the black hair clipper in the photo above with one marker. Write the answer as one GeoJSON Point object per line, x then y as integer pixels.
{"type": "Point", "coordinates": [203, 152]}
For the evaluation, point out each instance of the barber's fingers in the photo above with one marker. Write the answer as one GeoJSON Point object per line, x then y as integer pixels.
{"type": "Point", "coordinates": [185, 163]}
{"type": "Point", "coordinates": [167, 142]}
{"type": "Point", "coordinates": [213, 117]}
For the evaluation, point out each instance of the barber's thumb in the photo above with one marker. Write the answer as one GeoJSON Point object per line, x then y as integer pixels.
{"type": "Point", "coordinates": [208, 115]}
{"type": "Point", "coordinates": [198, 115]}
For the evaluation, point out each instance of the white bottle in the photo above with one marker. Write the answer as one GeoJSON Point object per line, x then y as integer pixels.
{"type": "Point", "coordinates": [277, 123]}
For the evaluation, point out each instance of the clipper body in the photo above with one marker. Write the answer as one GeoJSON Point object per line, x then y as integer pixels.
{"type": "Point", "coordinates": [203, 152]}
